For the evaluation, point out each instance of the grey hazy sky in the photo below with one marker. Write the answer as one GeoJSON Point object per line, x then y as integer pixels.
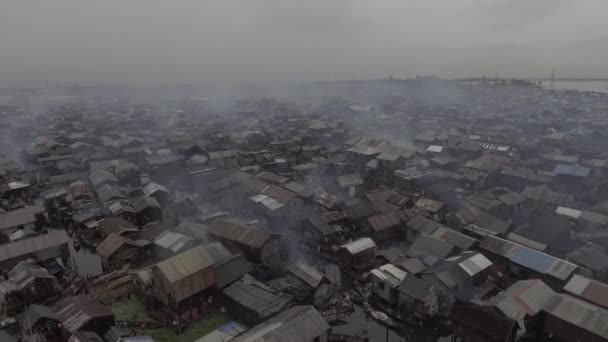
{"type": "Point", "coordinates": [199, 41]}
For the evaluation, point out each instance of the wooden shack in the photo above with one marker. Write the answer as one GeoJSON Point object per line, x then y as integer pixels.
{"type": "Point", "coordinates": [188, 273]}
{"type": "Point", "coordinates": [260, 246]}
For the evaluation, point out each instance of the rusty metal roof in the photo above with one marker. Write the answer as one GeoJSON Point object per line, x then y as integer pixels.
{"type": "Point", "coordinates": [192, 261]}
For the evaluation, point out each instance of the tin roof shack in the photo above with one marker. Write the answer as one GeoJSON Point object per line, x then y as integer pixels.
{"type": "Point", "coordinates": [426, 245]}
{"type": "Point", "coordinates": [119, 226]}
{"type": "Point", "coordinates": [385, 226]}
{"type": "Point", "coordinates": [253, 301]}
{"type": "Point", "coordinates": [157, 191]}
{"type": "Point", "coordinates": [169, 243]}
{"type": "Point", "coordinates": [260, 246]}
{"type": "Point", "coordinates": [320, 232]}
{"type": "Point", "coordinates": [457, 275]}
{"type": "Point", "coordinates": [14, 189]}
{"type": "Point", "coordinates": [41, 248]}
{"type": "Point", "coordinates": [519, 178]}
{"type": "Point", "coordinates": [298, 324]}
{"type": "Point", "coordinates": [526, 262]}
{"type": "Point", "coordinates": [279, 205]}
{"type": "Point", "coordinates": [195, 270]}
{"type": "Point", "coordinates": [385, 280]}
{"type": "Point", "coordinates": [83, 313]}
{"type": "Point", "coordinates": [475, 323]}
{"type": "Point", "coordinates": [570, 178]}
{"type": "Point", "coordinates": [544, 196]}
{"type": "Point", "coordinates": [27, 283]}
{"type": "Point", "coordinates": [420, 225]}
{"type": "Point", "coordinates": [592, 260]}
{"type": "Point", "coordinates": [417, 299]}
{"type": "Point", "coordinates": [117, 251]}
{"type": "Point", "coordinates": [437, 209]}
{"type": "Point", "coordinates": [359, 255]}
{"type": "Point", "coordinates": [23, 218]}
{"type": "Point", "coordinates": [224, 333]}
{"type": "Point", "coordinates": [570, 319]}
{"type": "Point", "coordinates": [588, 289]}
{"type": "Point", "coordinates": [147, 210]}
{"type": "Point", "coordinates": [350, 186]}
{"type": "Point", "coordinates": [38, 319]}
{"type": "Point", "coordinates": [226, 159]}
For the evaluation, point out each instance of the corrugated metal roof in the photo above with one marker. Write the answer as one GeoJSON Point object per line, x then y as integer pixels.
{"type": "Point", "coordinates": [384, 221]}
{"type": "Point", "coordinates": [425, 244]}
{"type": "Point", "coordinates": [234, 231]}
{"type": "Point", "coordinates": [27, 246]}
{"type": "Point", "coordinates": [390, 274]}
{"type": "Point", "coordinates": [76, 312]}
{"type": "Point", "coordinates": [523, 298]}
{"type": "Point", "coordinates": [589, 289]}
{"type": "Point", "coordinates": [111, 244]}
{"type": "Point", "coordinates": [300, 323]}
{"type": "Point", "coordinates": [222, 154]}
{"type": "Point", "coordinates": [193, 261]}
{"type": "Point", "coordinates": [152, 188]}
{"type": "Point", "coordinates": [172, 241]}
{"type": "Point", "coordinates": [305, 272]}
{"type": "Point", "coordinates": [453, 237]}
{"type": "Point", "coordinates": [279, 194]}
{"type": "Point", "coordinates": [415, 287]}
{"type": "Point", "coordinates": [579, 313]}
{"type": "Point", "coordinates": [360, 245]}
{"type": "Point", "coordinates": [527, 242]}
{"type": "Point", "coordinates": [529, 258]}
{"type": "Point", "coordinates": [256, 296]}
{"type": "Point", "coordinates": [475, 264]}
{"type": "Point", "coordinates": [349, 180]}
{"type": "Point", "coordinates": [423, 225]}
{"type": "Point", "coordinates": [572, 170]}
{"type": "Point", "coordinates": [267, 201]}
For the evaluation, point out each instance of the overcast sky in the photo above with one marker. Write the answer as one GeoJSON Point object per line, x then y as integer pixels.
{"type": "Point", "coordinates": [200, 41]}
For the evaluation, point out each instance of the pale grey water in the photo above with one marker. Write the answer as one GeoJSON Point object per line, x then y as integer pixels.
{"type": "Point", "coordinates": [86, 262]}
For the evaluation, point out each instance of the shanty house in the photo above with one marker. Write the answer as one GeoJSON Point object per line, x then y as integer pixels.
{"type": "Point", "coordinates": [83, 313]}
{"type": "Point", "coordinates": [475, 323]}
{"type": "Point", "coordinates": [350, 185]}
{"type": "Point", "coordinates": [385, 225]}
{"type": "Point", "coordinates": [117, 251]}
{"type": "Point", "coordinates": [317, 230]}
{"type": "Point", "coordinates": [299, 323]}
{"type": "Point", "coordinates": [22, 218]}
{"type": "Point", "coordinates": [191, 272]}
{"type": "Point", "coordinates": [521, 260]}
{"type": "Point", "coordinates": [41, 248]}
{"type": "Point", "coordinates": [253, 301]}
{"type": "Point", "coordinates": [159, 192]}
{"type": "Point", "coordinates": [417, 298]}
{"type": "Point", "coordinates": [385, 282]}
{"type": "Point", "coordinates": [225, 159]}
{"type": "Point", "coordinates": [359, 254]}
{"type": "Point", "coordinates": [260, 246]}
{"type": "Point", "coordinates": [592, 261]}
{"type": "Point", "coordinates": [588, 289]}
{"type": "Point", "coordinates": [420, 225]}
{"type": "Point", "coordinates": [27, 283]}
{"type": "Point", "coordinates": [147, 209]}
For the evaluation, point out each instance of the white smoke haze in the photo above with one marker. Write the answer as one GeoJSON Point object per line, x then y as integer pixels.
{"type": "Point", "coordinates": [141, 42]}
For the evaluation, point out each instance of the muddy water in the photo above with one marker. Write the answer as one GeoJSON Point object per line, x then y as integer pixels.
{"type": "Point", "coordinates": [358, 321]}
{"type": "Point", "coordinates": [5, 337]}
{"type": "Point", "coordinates": [86, 262]}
